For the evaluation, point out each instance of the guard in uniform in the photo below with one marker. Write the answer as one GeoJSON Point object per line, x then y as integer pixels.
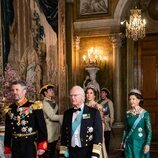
{"type": "Point", "coordinates": [52, 118]}
{"type": "Point", "coordinates": [25, 128]}
{"type": "Point", "coordinates": [108, 115]}
{"type": "Point", "coordinates": [81, 135]}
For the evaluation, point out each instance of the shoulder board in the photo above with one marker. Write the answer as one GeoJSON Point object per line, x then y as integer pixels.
{"type": "Point", "coordinates": [5, 108]}
{"type": "Point", "coordinates": [37, 105]}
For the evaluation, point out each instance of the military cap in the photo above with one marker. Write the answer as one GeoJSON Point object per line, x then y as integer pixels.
{"type": "Point", "coordinates": [46, 87]}
{"type": "Point", "coordinates": [105, 90]}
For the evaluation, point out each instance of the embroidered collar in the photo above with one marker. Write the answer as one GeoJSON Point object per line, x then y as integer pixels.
{"type": "Point", "coordinates": [21, 102]}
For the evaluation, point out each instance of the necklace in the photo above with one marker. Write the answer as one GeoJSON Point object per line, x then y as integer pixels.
{"type": "Point", "coordinates": [136, 111]}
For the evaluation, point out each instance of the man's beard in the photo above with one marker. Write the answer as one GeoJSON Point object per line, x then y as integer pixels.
{"type": "Point", "coordinates": [16, 98]}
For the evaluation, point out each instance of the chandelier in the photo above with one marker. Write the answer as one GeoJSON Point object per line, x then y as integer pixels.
{"type": "Point", "coordinates": [136, 27]}
{"type": "Point", "coordinates": [94, 57]}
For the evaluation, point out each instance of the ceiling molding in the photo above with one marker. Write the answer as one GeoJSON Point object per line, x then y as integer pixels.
{"type": "Point", "coordinates": [115, 21]}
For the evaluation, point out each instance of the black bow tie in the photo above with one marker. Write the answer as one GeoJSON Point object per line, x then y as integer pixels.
{"type": "Point", "coordinates": [74, 110]}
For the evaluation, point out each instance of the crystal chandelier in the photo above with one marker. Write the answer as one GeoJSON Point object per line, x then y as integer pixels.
{"type": "Point", "coordinates": [136, 27]}
{"type": "Point", "coordinates": [94, 57]}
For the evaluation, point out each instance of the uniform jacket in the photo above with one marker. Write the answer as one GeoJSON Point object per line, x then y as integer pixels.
{"type": "Point", "coordinates": [91, 128]}
{"type": "Point", "coordinates": [24, 122]}
{"type": "Point", "coordinates": [108, 118]}
{"type": "Point", "coordinates": [53, 120]}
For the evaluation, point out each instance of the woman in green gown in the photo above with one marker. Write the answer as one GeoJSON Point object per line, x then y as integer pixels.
{"type": "Point", "coordinates": [137, 134]}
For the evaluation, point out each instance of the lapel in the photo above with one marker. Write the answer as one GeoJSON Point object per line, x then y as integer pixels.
{"type": "Point", "coordinates": [69, 120]}
{"type": "Point", "coordinates": [83, 124]}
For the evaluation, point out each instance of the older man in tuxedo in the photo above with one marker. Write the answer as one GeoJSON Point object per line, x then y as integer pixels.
{"type": "Point", "coordinates": [81, 135]}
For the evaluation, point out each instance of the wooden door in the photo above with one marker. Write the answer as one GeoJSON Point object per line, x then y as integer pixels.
{"type": "Point", "coordinates": [148, 80]}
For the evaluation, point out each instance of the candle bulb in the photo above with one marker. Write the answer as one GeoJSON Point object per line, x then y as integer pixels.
{"type": "Point", "coordinates": [93, 57]}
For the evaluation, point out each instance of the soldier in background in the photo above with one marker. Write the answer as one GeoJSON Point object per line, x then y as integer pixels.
{"type": "Point", "coordinates": [25, 128]}
{"type": "Point", "coordinates": [52, 118]}
{"type": "Point", "coordinates": [108, 112]}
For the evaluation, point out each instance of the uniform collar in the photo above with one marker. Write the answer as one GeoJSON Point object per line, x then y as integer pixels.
{"type": "Point", "coordinates": [22, 102]}
{"type": "Point", "coordinates": [46, 98]}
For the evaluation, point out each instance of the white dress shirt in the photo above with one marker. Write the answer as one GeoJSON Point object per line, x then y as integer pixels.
{"type": "Point", "coordinates": [75, 140]}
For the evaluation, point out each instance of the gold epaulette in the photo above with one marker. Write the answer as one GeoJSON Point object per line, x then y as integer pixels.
{"type": "Point", "coordinates": [37, 105]}
{"type": "Point", "coordinates": [63, 150]}
{"type": "Point", "coordinates": [97, 148]}
{"type": "Point", "coordinates": [5, 109]}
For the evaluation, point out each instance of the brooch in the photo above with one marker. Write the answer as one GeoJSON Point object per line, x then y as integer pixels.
{"type": "Point", "coordinates": [140, 134]}
{"type": "Point", "coordinates": [90, 137]}
{"type": "Point", "coordinates": [140, 129]}
{"type": "Point", "coordinates": [90, 129]}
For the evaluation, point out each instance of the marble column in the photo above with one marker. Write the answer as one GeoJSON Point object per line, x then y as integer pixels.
{"type": "Point", "coordinates": [117, 84]}
{"type": "Point", "coordinates": [62, 72]}
{"type": "Point", "coordinates": [75, 59]}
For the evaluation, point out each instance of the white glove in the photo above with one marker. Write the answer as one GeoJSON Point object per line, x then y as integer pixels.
{"type": "Point", "coordinates": [40, 151]}
{"type": "Point", "coordinates": [8, 155]}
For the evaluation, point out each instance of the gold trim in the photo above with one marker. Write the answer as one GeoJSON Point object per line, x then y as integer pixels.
{"type": "Point", "coordinates": [22, 102]}
{"type": "Point", "coordinates": [46, 86]}
{"type": "Point", "coordinates": [37, 105]}
{"type": "Point", "coordinates": [24, 134]}
{"type": "Point", "coordinates": [97, 149]}
{"type": "Point", "coordinates": [62, 149]}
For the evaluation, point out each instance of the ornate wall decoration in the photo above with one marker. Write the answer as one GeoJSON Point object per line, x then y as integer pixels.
{"type": "Point", "coordinates": [37, 30]}
{"type": "Point", "coordinates": [50, 10]}
{"type": "Point", "coordinates": [92, 8]}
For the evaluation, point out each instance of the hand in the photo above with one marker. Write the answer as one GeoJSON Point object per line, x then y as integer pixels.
{"type": "Point", "coordinates": [8, 155]}
{"type": "Point", "coordinates": [111, 122]}
{"type": "Point", "coordinates": [40, 151]}
{"type": "Point", "coordinates": [146, 149]}
{"type": "Point", "coordinates": [58, 144]}
{"type": "Point", "coordinates": [121, 146]}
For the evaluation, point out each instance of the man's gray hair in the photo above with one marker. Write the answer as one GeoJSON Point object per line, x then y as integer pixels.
{"type": "Point", "coordinates": [80, 90]}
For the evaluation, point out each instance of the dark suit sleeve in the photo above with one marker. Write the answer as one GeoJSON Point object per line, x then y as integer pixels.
{"type": "Point", "coordinates": [41, 128]}
{"type": "Point", "coordinates": [65, 134]}
{"type": "Point", "coordinates": [63, 131]}
{"type": "Point", "coordinates": [98, 129]}
{"type": "Point", "coordinates": [98, 135]}
{"type": "Point", "coordinates": [8, 136]}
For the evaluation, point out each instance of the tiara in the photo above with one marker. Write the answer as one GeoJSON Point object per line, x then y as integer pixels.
{"type": "Point", "coordinates": [91, 86]}
{"type": "Point", "coordinates": [135, 91]}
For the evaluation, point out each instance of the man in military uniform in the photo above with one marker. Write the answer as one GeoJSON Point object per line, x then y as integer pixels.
{"type": "Point", "coordinates": [108, 114]}
{"type": "Point", "coordinates": [25, 128]}
{"type": "Point", "coordinates": [52, 118]}
{"type": "Point", "coordinates": [81, 135]}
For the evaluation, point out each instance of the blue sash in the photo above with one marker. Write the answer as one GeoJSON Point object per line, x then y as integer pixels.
{"type": "Point", "coordinates": [133, 127]}
{"type": "Point", "coordinates": [76, 122]}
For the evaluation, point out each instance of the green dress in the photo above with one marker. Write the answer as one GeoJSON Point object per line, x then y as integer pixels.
{"type": "Point", "coordinates": [141, 136]}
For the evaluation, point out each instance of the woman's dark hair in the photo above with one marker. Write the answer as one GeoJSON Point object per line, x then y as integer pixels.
{"type": "Point", "coordinates": [95, 93]}
{"type": "Point", "coordinates": [138, 96]}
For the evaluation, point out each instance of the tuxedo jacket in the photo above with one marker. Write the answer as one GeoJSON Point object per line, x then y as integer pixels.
{"type": "Point", "coordinates": [90, 132]}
